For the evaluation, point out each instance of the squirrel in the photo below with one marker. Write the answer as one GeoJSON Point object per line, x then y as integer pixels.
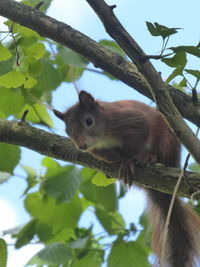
{"type": "Point", "coordinates": [131, 132]}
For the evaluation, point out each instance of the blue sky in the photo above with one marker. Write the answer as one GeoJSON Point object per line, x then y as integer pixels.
{"type": "Point", "coordinates": [78, 14]}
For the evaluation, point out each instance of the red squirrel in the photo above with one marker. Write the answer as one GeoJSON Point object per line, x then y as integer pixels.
{"type": "Point", "coordinates": [131, 132]}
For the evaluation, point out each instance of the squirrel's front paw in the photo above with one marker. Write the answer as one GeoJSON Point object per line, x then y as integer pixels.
{"type": "Point", "coordinates": [144, 159]}
{"type": "Point", "coordinates": [127, 172]}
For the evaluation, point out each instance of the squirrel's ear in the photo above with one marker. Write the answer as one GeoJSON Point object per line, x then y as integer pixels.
{"type": "Point", "coordinates": [86, 100]}
{"type": "Point", "coordinates": [59, 114]}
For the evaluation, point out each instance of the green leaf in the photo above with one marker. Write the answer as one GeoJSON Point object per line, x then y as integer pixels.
{"type": "Point", "coordinates": [35, 51]}
{"type": "Point", "coordinates": [37, 114]}
{"type": "Point", "coordinates": [65, 235]}
{"type": "Point", "coordinates": [48, 79]}
{"type": "Point", "coordinates": [113, 46]}
{"type": "Point", "coordinates": [49, 163]}
{"type": "Point", "coordinates": [193, 50]}
{"type": "Point", "coordinates": [9, 157]}
{"type": "Point", "coordinates": [194, 167]}
{"type": "Point", "coordinates": [4, 176]}
{"type": "Point", "coordinates": [71, 58]}
{"type": "Point", "coordinates": [12, 79]}
{"type": "Point", "coordinates": [11, 101]}
{"type": "Point", "coordinates": [43, 115]}
{"type": "Point", "coordinates": [7, 66]}
{"type": "Point", "coordinates": [178, 71]}
{"type": "Point", "coordinates": [31, 177]}
{"type": "Point", "coordinates": [179, 59]}
{"type": "Point", "coordinates": [183, 83]}
{"type": "Point", "coordinates": [35, 68]}
{"type": "Point", "coordinates": [52, 254]}
{"type": "Point", "coordinates": [33, 4]}
{"type": "Point", "coordinates": [157, 29]}
{"type": "Point", "coordinates": [26, 234]}
{"type": "Point", "coordinates": [105, 196]}
{"type": "Point", "coordinates": [4, 53]}
{"type": "Point", "coordinates": [3, 253]}
{"type": "Point", "coordinates": [62, 183]}
{"type": "Point", "coordinates": [30, 82]}
{"type": "Point", "coordinates": [73, 73]}
{"type": "Point", "coordinates": [24, 31]}
{"type": "Point", "coordinates": [144, 238]}
{"type": "Point", "coordinates": [100, 179]}
{"type": "Point", "coordinates": [80, 243]}
{"type": "Point", "coordinates": [93, 258]}
{"type": "Point", "coordinates": [112, 222]}
{"type": "Point", "coordinates": [195, 73]}
{"type": "Point", "coordinates": [48, 211]}
{"type": "Point", "coordinates": [129, 254]}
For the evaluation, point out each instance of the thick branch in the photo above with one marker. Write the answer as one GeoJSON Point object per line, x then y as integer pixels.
{"type": "Point", "coordinates": [158, 89]}
{"type": "Point", "coordinates": [157, 177]}
{"type": "Point", "coordinates": [97, 54]}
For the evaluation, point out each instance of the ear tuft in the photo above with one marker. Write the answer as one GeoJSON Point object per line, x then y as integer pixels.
{"type": "Point", "coordinates": [59, 114]}
{"type": "Point", "coordinates": [86, 100]}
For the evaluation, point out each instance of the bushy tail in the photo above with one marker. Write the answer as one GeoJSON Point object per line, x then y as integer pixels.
{"type": "Point", "coordinates": [183, 241]}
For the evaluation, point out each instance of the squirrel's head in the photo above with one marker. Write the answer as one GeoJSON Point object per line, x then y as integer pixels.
{"type": "Point", "coordinates": [85, 122]}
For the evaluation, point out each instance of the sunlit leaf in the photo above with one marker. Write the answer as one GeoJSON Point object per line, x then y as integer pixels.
{"type": "Point", "coordinates": [11, 101]}
{"type": "Point", "coordinates": [4, 53]}
{"type": "Point", "coordinates": [12, 79]}
{"type": "Point", "coordinates": [9, 157]}
{"type": "Point", "coordinates": [105, 196]}
{"type": "Point", "coordinates": [100, 179]}
{"type": "Point", "coordinates": [36, 51]}
{"type": "Point", "coordinates": [30, 82]}
{"type": "Point", "coordinates": [49, 163]}
{"type": "Point", "coordinates": [48, 211]}
{"type": "Point", "coordinates": [3, 253]}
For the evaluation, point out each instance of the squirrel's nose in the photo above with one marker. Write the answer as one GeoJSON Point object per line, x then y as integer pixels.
{"type": "Point", "coordinates": [83, 147]}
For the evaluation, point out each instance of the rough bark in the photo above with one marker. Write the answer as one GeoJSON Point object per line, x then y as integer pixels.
{"type": "Point", "coordinates": [128, 72]}
{"type": "Point", "coordinates": [52, 145]}
{"type": "Point", "coordinates": [100, 56]}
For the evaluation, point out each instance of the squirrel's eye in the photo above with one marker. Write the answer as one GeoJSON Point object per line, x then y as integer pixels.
{"type": "Point", "coordinates": [88, 121]}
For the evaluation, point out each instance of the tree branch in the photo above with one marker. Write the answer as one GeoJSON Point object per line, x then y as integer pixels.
{"type": "Point", "coordinates": [94, 52]}
{"type": "Point", "coordinates": [159, 91]}
{"type": "Point", "coordinates": [157, 176]}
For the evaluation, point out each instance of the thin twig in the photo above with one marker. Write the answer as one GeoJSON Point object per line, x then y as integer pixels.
{"type": "Point", "coordinates": [23, 118]}
{"type": "Point", "coordinates": [147, 57]}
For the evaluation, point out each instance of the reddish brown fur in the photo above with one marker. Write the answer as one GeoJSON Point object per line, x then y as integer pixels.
{"type": "Point", "coordinates": [127, 130]}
